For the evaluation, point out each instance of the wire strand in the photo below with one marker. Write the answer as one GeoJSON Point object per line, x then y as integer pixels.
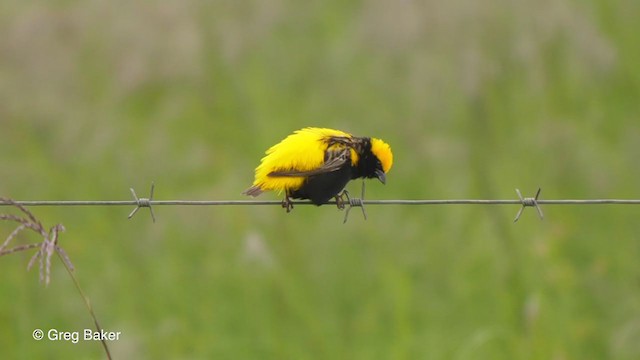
{"type": "Point", "coordinates": [141, 202]}
{"type": "Point", "coordinates": [332, 202]}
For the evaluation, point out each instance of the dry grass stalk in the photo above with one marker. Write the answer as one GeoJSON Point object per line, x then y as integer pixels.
{"type": "Point", "coordinates": [46, 248]}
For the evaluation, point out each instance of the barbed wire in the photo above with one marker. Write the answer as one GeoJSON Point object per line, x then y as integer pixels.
{"type": "Point", "coordinates": [351, 202]}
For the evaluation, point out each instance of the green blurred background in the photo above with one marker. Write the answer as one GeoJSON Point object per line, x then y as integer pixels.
{"type": "Point", "coordinates": [476, 98]}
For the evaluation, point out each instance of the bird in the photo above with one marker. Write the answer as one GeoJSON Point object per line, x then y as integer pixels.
{"type": "Point", "coordinates": [317, 163]}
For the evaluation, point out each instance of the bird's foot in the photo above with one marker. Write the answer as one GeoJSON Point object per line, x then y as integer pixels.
{"type": "Point", "coordinates": [342, 199]}
{"type": "Point", "coordinates": [287, 204]}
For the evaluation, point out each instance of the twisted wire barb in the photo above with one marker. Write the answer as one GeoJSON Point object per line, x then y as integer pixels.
{"type": "Point", "coordinates": [354, 202]}
{"type": "Point", "coordinates": [528, 201]}
{"type": "Point", "coordinates": [143, 202]}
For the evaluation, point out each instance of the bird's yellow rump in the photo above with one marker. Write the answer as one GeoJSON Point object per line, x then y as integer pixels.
{"type": "Point", "coordinates": [316, 163]}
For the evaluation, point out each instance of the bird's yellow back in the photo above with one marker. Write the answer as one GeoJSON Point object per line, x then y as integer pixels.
{"type": "Point", "coordinates": [301, 151]}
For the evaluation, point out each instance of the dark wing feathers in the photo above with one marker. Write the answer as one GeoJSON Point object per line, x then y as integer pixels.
{"type": "Point", "coordinates": [346, 141]}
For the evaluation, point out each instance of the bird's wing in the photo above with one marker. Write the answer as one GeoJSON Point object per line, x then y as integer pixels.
{"type": "Point", "coordinates": [335, 159]}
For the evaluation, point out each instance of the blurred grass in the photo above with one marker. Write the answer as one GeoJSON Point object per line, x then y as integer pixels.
{"type": "Point", "coordinates": [475, 99]}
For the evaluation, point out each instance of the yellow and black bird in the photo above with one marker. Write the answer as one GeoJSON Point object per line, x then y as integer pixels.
{"type": "Point", "coordinates": [317, 163]}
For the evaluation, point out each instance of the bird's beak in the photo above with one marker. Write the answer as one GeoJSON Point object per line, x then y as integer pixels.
{"type": "Point", "coordinates": [381, 176]}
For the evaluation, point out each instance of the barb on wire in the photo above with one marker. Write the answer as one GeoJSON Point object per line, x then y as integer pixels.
{"type": "Point", "coordinates": [354, 202]}
{"type": "Point", "coordinates": [528, 201]}
{"type": "Point", "coordinates": [143, 202]}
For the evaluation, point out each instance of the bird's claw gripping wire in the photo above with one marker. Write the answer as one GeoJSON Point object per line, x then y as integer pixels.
{"type": "Point", "coordinates": [528, 201]}
{"type": "Point", "coordinates": [340, 199]}
{"type": "Point", "coordinates": [143, 202]}
{"type": "Point", "coordinates": [352, 202]}
{"type": "Point", "coordinates": [287, 204]}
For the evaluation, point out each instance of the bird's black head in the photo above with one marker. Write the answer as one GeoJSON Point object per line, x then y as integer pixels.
{"type": "Point", "coordinates": [374, 160]}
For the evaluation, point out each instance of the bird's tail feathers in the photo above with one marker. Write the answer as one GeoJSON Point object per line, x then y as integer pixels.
{"type": "Point", "coordinates": [253, 191]}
